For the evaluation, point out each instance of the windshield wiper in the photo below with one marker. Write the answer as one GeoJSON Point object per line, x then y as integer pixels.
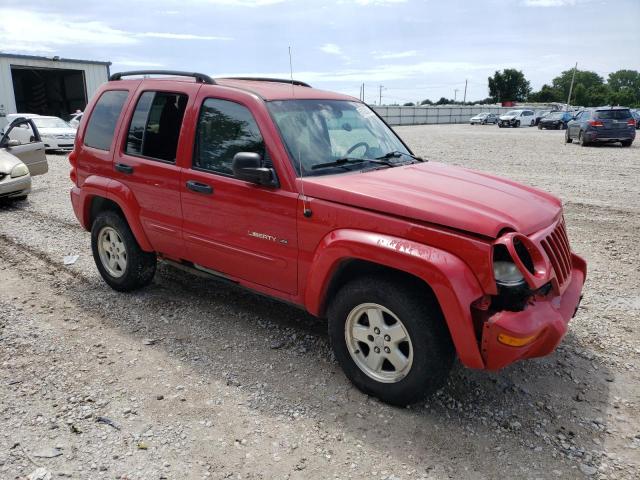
{"type": "Point", "coordinates": [348, 160]}
{"type": "Point", "coordinates": [398, 153]}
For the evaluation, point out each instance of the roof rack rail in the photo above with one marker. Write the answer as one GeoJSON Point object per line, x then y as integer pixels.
{"type": "Point", "coordinates": [200, 77]}
{"type": "Point", "coordinates": [267, 79]}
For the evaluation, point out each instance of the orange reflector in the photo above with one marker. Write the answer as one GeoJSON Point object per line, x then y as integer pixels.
{"type": "Point", "coordinates": [515, 341]}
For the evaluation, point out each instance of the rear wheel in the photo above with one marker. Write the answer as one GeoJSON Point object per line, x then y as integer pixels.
{"type": "Point", "coordinates": [581, 139]}
{"type": "Point", "coordinates": [119, 258]}
{"type": "Point", "coordinates": [533, 122]}
{"type": "Point", "coordinates": [390, 339]}
{"type": "Point", "coordinates": [567, 137]}
{"type": "Point", "coordinates": [626, 143]}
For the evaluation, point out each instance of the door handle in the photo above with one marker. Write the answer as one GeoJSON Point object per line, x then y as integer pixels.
{"type": "Point", "coordinates": [121, 167]}
{"type": "Point", "coordinates": [199, 187]}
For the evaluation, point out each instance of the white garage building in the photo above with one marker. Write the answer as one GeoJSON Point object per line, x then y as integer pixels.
{"type": "Point", "coordinates": [47, 85]}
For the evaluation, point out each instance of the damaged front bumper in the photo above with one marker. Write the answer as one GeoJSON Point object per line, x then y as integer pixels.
{"type": "Point", "coordinates": [509, 336]}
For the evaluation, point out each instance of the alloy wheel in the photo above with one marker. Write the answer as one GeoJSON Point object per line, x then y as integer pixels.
{"type": "Point", "coordinates": [378, 343]}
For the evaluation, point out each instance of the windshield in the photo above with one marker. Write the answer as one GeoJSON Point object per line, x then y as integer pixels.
{"type": "Point", "coordinates": [555, 116]}
{"type": "Point", "coordinates": [50, 123]}
{"type": "Point", "coordinates": [322, 131]}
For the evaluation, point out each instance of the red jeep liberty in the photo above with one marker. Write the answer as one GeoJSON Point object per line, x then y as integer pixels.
{"type": "Point", "coordinates": [309, 197]}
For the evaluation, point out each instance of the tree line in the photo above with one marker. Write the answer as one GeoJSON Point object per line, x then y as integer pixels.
{"type": "Point", "coordinates": [589, 89]}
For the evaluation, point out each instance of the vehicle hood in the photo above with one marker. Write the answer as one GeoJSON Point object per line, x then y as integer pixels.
{"type": "Point", "coordinates": [7, 161]}
{"type": "Point", "coordinates": [507, 117]}
{"type": "Point", "coordinates": [57, 131]}
{"type": "Point", "coordinates": [441, 194]}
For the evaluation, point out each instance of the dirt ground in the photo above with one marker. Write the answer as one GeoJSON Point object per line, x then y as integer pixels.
{"type": "Point", "coordinates": [191, 378]}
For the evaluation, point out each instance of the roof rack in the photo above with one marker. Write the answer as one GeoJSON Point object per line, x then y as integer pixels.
{"type": "Point", "coordinates": [267, 79]}
{"type": "Point", "coordinates": [200, 77]}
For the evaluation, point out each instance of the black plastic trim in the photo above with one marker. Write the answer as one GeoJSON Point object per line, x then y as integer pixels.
{"type": "Point", "coordinates": [200, 77]}
{"type": "Point", "coordinates": [268, 79]}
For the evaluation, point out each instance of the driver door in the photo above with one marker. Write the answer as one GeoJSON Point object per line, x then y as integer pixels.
{"type": "Point", "coordinates": [22, 140]}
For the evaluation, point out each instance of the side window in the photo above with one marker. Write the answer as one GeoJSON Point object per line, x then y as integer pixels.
{"type": "Point", "coordinates": [103, 120]}
{"type": "Point", "coordinates": [224, 129]}
{"type": "Point", "coordinates": [155, 125]}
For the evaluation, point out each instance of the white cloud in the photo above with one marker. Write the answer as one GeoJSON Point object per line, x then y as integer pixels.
{"type": "Point", "coordinates": [549, 3]}
{"type": "Point", "coordinates": [27, 31]}
{"type": "Point", "coordinates": [380, 73]}
{"type": "Point", "coordinates": [331, 49]}
{"type": "Point", "coordinates": [179, 36]}
{"type": "Point", "coordinates": [378, 2]}
{"type": "Point", "coordinates": [244, 3]}
{"type": "Point", "coordinates": [130, 62]}
{"type": "Point", "coordinates": [391, 55]}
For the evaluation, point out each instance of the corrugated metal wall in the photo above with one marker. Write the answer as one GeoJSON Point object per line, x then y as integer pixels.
{"type": "Point", "coordinates": [94, 74]}
{"type": "Point", "coordinates": [440, 114]}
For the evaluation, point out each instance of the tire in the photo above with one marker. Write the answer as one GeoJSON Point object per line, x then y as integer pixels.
{"type": "Point", "coordinates": [429, 351]}
{"type": "Point", "coordinates": [532, 123]}
{"type": "Point", "coordinates": [626, 143]}
{"type": "Point", "coordinates": [20, 198]}
{"type": "Point", "coordinates": [581, 140]}
{"type": "Point", "coordinates": [517, 124]}
{"type": "Point", "coordinates": [567, 137]}
{"type": "Point", "coordinates": [539, 126]}
{"type": "Point", "coordinates": [500, 125]}
{"type": "Point", "coordinates": [137, 268]}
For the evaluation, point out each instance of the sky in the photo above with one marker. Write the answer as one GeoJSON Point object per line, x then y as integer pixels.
{"type": "Point", "coordinates": [414, 49]}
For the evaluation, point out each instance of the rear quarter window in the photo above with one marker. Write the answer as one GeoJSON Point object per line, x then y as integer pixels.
{"type": "Point", "coordinates": [104, 118]}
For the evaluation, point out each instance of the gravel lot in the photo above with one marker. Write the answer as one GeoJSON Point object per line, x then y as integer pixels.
{"type": "Point", "coordinates": [191, 378]}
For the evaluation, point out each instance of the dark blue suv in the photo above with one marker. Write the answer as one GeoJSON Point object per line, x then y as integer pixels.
{"type": "Point", "coordinates": [602, 125]}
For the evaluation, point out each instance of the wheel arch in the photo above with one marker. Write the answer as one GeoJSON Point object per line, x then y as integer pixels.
{"type": "Point", "coordinates": [344, 254]}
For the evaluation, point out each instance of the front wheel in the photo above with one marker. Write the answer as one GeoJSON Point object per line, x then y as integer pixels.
{"type": "Point", "coordinates": [517, 124]}
{"type": "Point", "coordinates": [626, 143]}
{"type": "Point", "coordinates": [390, 338]}
{"type": "Point", "coordinates": [124, 266]}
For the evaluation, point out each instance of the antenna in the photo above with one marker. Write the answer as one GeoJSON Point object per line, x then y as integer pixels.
{"type": "Point", "coordinates": [306, 211]}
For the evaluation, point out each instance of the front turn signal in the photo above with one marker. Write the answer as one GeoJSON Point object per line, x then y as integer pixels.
{"type": "Point", "coordinates": [516, 341]}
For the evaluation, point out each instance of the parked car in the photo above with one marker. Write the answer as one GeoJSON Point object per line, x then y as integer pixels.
{"type": "Point", "coordinates": [20, 161]}
{"type": "Point", "coordinates": [55, 132]}
{"type": "Point", "coordinates": [602, 125]}
{"type": "Point", "coordinates": [540, 114]}
{"type": "Point", "coordinates": [555, 120]}
{"type": "Point", "coordinates": [484, 118]}
{"type": "Point", "coordinates": [517, 118]}
{"type": "Point", "coordinates": [636, 116]}
{"type": "Point", "coordinates": [74, 120]}
{"type": "Point", "coordinates": [309, 197]}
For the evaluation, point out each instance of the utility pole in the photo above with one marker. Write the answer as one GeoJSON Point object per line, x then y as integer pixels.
{"type": "Point", "coordinates": [380, 100]}
{"type": "Point", "coordinates": [455, 94]}
{"type": "Point", "coordinates": [363, 92]}
{"type": "Point", "coordinates": [465, 91]}
{"type": "Point", "coordinates": [571, 87]}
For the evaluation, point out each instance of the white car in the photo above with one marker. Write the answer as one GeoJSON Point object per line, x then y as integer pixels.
{"type": "Point", "coordinates": [74, 121]}
{"type": "Point", "coordinates": [19, 162]}
{"type": "Point", "coordinates": [517, 118]}
{"type": "Point", "coordinates": [55, 132]}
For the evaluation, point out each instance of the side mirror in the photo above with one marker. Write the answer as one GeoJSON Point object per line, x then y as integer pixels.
{"type": "Point", "coordinates": [13, 143]}
{"type": "Point", "coordinates": [247, 166]}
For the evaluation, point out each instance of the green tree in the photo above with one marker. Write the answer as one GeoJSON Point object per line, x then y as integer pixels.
{"type": "Point", "coordinates": [426, 101]}
{"type": "Point", "coordinates": [444, 101]}
{"type": "Point", "coordinates": [587, 79]}
{"type": "Point", "coordinates": [624, 86]}
{"type": "Point", "coordinates": [409, 104]}
{"type": "Point", "coordinates": [546, 94]}
{"type": "Point", "coordinates": [509, 85]}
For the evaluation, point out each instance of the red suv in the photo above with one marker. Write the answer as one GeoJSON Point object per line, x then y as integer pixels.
{"type": "Point", "coordinates": [309, 197]}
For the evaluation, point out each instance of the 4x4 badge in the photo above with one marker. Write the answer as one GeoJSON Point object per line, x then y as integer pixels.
{"type": "Point", "coordinates": [265, 236]}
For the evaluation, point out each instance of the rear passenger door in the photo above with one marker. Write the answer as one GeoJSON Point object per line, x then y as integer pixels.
{"type": "Point", "coordinates": [145, 161]}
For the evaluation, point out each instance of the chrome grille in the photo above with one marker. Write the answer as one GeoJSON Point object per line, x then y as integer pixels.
{"type": "Point", "coordinates": [556, 246]}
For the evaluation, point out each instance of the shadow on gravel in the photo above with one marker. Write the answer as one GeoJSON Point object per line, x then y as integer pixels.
{"type": "Point", "coordinates": [541, 412]}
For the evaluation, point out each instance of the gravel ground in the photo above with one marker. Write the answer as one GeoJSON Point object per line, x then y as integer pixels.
{"type": "Point", "coordinates": [191, 378]}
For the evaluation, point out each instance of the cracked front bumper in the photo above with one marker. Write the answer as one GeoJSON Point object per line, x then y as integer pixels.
{"type": "Point", "coordinates": [538, 329]}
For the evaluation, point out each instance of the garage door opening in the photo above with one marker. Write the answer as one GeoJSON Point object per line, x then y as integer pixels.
{"type": "Point", "coordinates": [49, 91]}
